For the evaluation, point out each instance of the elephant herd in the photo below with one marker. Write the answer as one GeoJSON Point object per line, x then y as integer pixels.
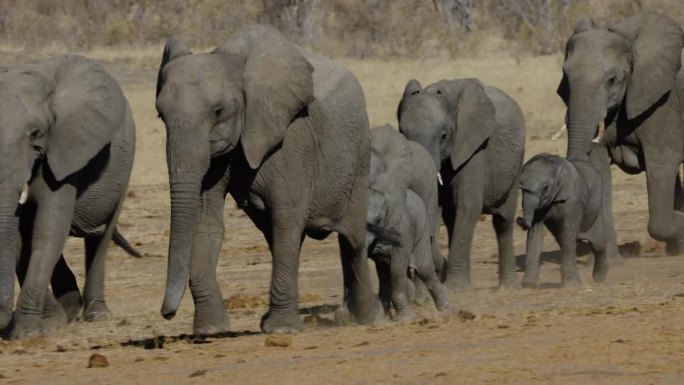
{"type": "Point", "coordinates": [286, 134]}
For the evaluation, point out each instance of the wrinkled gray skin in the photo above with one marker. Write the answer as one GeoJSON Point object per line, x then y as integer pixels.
{"type": "Point", "coordinates": [398, 241]}
{"type": "Point", "coordinates": [412, 166]}
{"type": "Point", "coordinates": [66, 129]}
{"type": "Point", "coordinates": [476, 136]}
{"type": "Point", "coordinates": [565, 196]}
{"type": "Point", "coordinates": [626, 75]}
{"type": "Point", "coordinates": [286, 134]}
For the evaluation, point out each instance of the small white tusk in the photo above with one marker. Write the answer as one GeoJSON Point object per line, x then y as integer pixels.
{"type": "Point", "coordinates": [439, 178]}
{"type": "Point", "coordinates": [601, 135]}
{"type": "Point", "coordinates": [24, 194]}
{"type": "Point", "coordinates": [558, 133]}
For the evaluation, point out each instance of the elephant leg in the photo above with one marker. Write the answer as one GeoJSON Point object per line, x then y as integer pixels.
{"type": "Point", "coordinates": [50, 231]}
{"type": "Point", "coordinates": [421, 293]}
{"type": "Point", "coordinates": [385, 286]}
{"type": "Point", "coordinates": [664, 223]}
{"type": "Point", "coordinates": [65, 289]}
{"type": "Point", "coordinates": [679, 194]}
{"type": "Point", "coordinates": [535, 240]}
{"type": "Point", "coordinates": [599, 158]}
{"type": "Point", "coordinates": [467, 198]}
{"type": "Point", "coordinates": [567, 239]}
{"type": "Point", "coordinates": [285, 242]}
{"type": "Point", "coordinates": [597, 242]}
{"type": "Point", "coordinates": [504, 221]}
{"type": "Point", "coordinates": [210, 316]}
{"type": "Point", "coordinates": [358, 289]}
{"type": "Point", "coordinates": [398, 272]}
{"type": "Point", "coordinates": [94, 306]}
{"type": "Point", "coordinates": [438, 291]}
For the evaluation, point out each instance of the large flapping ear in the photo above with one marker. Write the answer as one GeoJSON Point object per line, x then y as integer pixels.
{"type": "Point", "coordinates": [656, 58]}
{"type": "Point", "coordinates": [278, 82]}
{"type": "Point", "coordinates": [89, 109]}
{"type": "Point", "coordinates": [475, 117]}
{"type": "Point", "coordinates": [174, 47]}
{"type": "Point", "coordinates": [563, 90]}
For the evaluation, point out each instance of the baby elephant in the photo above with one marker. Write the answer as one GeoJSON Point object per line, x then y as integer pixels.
{"type": "Point", "coordinates": [398, 240]}
{"type": "Point", "coordinates": [565, 195]}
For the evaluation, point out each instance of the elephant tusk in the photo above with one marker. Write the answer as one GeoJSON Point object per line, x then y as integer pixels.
{"type": "Point", "coordinates": [24, 194]}
{"type": "Point", "coordinates": [601, 134]}
{"type": "Point", "coordinates": [558, 133]}
{"type": "Point", "coordinates": [439, 178]}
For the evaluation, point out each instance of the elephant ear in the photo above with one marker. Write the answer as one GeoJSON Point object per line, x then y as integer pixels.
{"type": "Point", "coordinates": [89, 108]}
{"type": "Point", "coordinates": [174, 47]}
{"type": "Point", "coordinates": [475, 119]}
{"type": "Point", "coordinates": [278, 82]}
{"type": "Point", "coordinates": [566, 179]}
{"type": "Point", "coordinates": [656, 58]}
{"type": "Point", "coordinates": [585, 24]}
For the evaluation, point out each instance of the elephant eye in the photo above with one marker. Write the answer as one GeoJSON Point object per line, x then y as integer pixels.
{"type": "Point", "coordinates": [439, 92]}
{"type": "Point", "coordinates": [443, 135]}
{"type": "Point", "coordinates": [611, 80]}
{"type": "Point", "coordinates": [218, 111]}
{"type": "Point", "coordinates": [34, 132]}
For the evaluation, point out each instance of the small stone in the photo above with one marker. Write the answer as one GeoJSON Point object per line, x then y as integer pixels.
{"type": "Point", "coordinates": [198, 373]}
{"type": "Point", "coordinates": [465, 315]}
{"type": "Point", "coordinates": [98, 361]}
{"type": "Point", "coordinates": [278, 340]}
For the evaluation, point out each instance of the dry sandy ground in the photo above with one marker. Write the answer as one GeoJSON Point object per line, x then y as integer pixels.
{"type": "Point", "coordinates": [629, 330]}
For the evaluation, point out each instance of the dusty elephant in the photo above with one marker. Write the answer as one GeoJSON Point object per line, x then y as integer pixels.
{"type": "Point", "coordinates": [476, 136]}
{"type": "Point", "coordinates": [625, 78]}
{"type": "Point", "coordinates": [565, 196]}
{"type": "Point", "coordinates": [286, 134]}
{"type": "Point", "coordinates": [399, 241]}
{"type": "Point", "coordinates": [410, 164]}
{"type": "Point", "coordinates": [68, 138]}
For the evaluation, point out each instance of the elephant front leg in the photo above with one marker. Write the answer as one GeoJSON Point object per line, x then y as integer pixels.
{"type": "Point", "coordinates": [49, 234]}
{"type": "Point", "coordinates": [285, 243]}
{"type": "Point", "coordinates": [535, 240]}
{"type": "Point", "coordinates": [467, 198]}
{"type": "Point", "coordinates": [398, 271]}
{"type": "Point", "coordinates": [385, 285]}
{"type": "Point", "coordinates": [600, 158]}
{"type": "Point", "coordinates": [567, 239]}
{"type": "Point", "coordinates": [210, 316]}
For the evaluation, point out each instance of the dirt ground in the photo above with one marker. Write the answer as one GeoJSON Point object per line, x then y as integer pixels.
{"type": "Point", "coordinates": [629, 330]}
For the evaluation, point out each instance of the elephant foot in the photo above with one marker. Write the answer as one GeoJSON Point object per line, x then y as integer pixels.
{"type": "Point", "coordinates": [600, 270]}
{"type": "Point", "coordinates": [404, 315]}
{"type": "Point", "coordinates": [27, 326]}
{"type": "Point", "coordinates": [207, 323]}
{"type": "Point", "coordinates": [529, 283]}
{"type": "Point", "coordinates": [54, 316]}
{"type": "Point", "coordinates": [422, 295]}
{"type": "Point", "coordinates": [509, 281]}
{"type": "Point", "coordinates": [72, 304]}
{"type": "Point", "coordinates": [287, 323]}
{"type": "Point", "coordinates": [441, 298]}
{"type": "Point", "coordinates": [95, 310]}
{"type": "Point", "coordinates": [456, 284]}
{"type": "Point", "coordinates": [571, 282]}
{"type": "Point", "coordinates": [365, 310]}
{"type": "Point", "coordinates": [674, 248]}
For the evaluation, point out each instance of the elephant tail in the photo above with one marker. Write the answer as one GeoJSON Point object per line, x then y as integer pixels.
{"type": "Point", "coordinates": [120, 241]}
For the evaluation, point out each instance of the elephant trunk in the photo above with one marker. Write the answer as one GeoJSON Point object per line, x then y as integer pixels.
{"type": "Point", "coordinates": [530, 205]}
{"type": "Point", "coordinates": [9, 223]}
{"type": "Point", "coordinates": [186, 171]}
{"type": "Point", "coordinates": [584, 115]}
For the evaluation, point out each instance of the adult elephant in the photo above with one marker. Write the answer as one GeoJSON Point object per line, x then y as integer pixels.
{"type": "Point", "coordinates": [286, 134]}
{"type": "Point", "coordinates": [66, 153]}
{"type": "Point", "coordinates": [624, 78]}
{"type": "Point", "coordinates": [476, 137]}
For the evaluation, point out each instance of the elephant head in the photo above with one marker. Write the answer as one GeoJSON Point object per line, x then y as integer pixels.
{"type": "Point", "coordinates": [386, 206]}
{"type": "Point", "coordinates": [629, 65]}
{"type": "Point", "coordinates": [55, 115]}
{"type": "Point", "coordinates": [545, 179]}
{"type": "Point", "coordinates": [452, 119]}
{"type": "Point", "coordinates": [390, 154]}
{"type": "Point", "coordinates": [245, 92]}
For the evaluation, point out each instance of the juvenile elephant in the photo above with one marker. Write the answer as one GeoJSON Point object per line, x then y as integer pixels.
{"type": "Point", "coordinates": [410, 164]}
{"type": "Point", "coordinates": [625, 78]}
{"type": "Point", "coordinates": [286, 134]}
{"type": "Point", "coordinates": [565, 196]}
{"type": "Point", "coordinates": [67, 137]}
{"type": "Point", "coordinates": [399, 242]}
{"type": "Point", "coordinates": [476, 137]}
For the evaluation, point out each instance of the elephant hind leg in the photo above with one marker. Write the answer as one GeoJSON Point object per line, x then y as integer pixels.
{"type": "Point", "coordinates": [65, 289]}
{"type": "Point", "coordinates": [504, 221]}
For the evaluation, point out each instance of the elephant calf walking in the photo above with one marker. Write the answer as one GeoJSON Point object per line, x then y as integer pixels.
{"type": "Point", "coordinates": [566, 197]}
{"type": "Point", "coordinates": [399, 241]}
{"type": "Point", "coordinates": [66, 153]}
